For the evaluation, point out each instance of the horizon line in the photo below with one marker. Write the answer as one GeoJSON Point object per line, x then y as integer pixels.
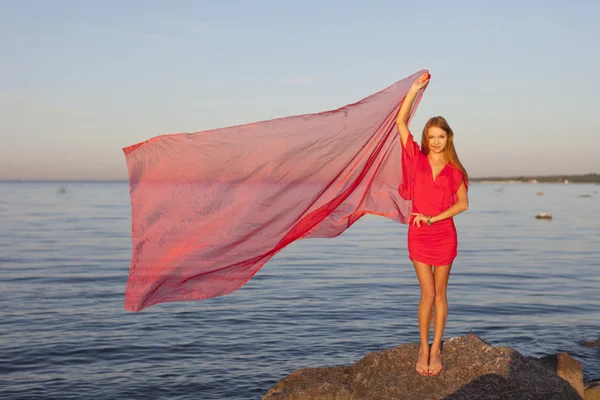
{"type": "Point", "coordinates": [505, 177]}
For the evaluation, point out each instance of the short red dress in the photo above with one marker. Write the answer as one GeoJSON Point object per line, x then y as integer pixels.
{"type": "Point", "coordinates": [434, 244]}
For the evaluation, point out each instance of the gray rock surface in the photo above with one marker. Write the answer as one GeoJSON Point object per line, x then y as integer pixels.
{"type": "Point", "coordinates": [472, 370]}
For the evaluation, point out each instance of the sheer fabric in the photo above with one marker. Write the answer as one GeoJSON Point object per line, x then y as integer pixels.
{"type": "Point", "coordinates": [210, 208]}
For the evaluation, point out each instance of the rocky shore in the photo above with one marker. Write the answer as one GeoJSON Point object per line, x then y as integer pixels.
{"type": "Point", "coordinates": [473, 369]}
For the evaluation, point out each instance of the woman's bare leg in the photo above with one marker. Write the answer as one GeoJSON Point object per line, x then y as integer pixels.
{"type": "Point", "coordinates": [426, 282]}
{"type": "Point", "coordinates": [440, 307]}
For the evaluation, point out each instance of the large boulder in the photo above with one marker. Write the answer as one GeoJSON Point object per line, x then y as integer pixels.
{"type": "Point", "coordinates": [472, 370]}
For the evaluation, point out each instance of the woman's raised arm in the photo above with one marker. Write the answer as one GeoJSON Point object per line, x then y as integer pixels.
{"type": "Point", "coordinates": [402, 118]}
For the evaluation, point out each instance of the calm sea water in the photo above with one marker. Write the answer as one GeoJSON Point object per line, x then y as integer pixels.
{"type": "Point", "coordinates": [64, 258]}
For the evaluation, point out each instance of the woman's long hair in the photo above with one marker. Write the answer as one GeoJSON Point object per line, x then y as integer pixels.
{"type": "Point", "coordinates": [450, 151]}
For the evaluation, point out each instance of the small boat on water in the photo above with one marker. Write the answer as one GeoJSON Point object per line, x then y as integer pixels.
{"type": "Point", "coordinates": [544, 216]}
{"type": "Point", "coordinates": [540, 193]}
{"type": "Point", "coordinates": [584, 195]}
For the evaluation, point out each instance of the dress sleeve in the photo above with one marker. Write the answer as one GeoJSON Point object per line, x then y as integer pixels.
{"type": "Point", "coordinates": [457, 179]}
{"type": "Point", "coordinates": [411, 151]}
{"type": "Point", "coordinates": [410, 157]}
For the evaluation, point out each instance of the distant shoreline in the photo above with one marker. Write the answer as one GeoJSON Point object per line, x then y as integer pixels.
{"type": "Point", "coordinates": [587, 178]}
{"type": "Point", "coordinates": [562, 179]}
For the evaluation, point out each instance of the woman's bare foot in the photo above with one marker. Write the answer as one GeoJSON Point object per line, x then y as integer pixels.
{"type": "Point", "coordinates": [435, 362]}
{"type": "Point", "coordinates": [422, 361]}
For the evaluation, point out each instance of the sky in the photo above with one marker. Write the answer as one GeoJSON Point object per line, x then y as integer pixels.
{"type": "Point", "coordinates": [79, 80]}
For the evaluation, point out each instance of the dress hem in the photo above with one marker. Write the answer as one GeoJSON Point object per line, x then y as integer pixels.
{"type": "Point", "coordinates": [435, 264]}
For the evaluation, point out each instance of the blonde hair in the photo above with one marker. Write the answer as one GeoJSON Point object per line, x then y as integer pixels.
{"type": "Point", "coordinates": [450, 150]}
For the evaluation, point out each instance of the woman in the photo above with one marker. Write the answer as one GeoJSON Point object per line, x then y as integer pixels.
{"type": "Point", "coordinates": [436, 182]}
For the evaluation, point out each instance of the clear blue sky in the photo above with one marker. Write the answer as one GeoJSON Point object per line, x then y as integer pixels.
{"type": "Point", "coordinates": [79, 80]}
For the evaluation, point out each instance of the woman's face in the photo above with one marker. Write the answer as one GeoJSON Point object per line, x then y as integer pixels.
{"type": "Point", "coordinates": [437, 138]}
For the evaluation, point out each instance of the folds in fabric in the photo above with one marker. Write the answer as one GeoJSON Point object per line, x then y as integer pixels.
{"type": "Point", "coordinates": [210, 208]}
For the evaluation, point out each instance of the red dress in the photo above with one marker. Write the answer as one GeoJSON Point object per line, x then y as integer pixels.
{"type": "Point", "coordinates": [435, 244]}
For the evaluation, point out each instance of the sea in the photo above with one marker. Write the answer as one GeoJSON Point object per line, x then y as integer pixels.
{"type": "Point", "coordinates": [65, 248]}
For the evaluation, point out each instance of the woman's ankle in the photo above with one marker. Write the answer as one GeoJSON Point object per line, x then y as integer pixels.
{"type": "Point", "coordinates": [436, 348]}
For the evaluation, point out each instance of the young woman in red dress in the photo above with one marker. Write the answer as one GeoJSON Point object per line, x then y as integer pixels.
{"type": "Point", "coordinates": [436, 182]}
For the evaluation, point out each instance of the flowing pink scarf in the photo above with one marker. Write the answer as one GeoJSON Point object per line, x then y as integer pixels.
{"type": "Point", "coordinates": [210, 208]}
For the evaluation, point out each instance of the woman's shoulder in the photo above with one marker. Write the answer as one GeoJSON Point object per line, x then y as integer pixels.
{"type": "Point", "coordinates": [458, 176]}
{"type": "Point", "coordinates": [411, 149]}
{"type": "Point", "coordinates": [455, 172]}
{"type": "Point", "coordinates": [455, 169]}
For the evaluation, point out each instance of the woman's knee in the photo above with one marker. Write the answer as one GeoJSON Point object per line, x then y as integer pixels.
{"type": "Point", "coordinates": [428, 297]}
{"type": "Point", "coordinates": [440, 297]}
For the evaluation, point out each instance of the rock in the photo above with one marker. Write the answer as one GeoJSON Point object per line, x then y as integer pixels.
{"type": "Point", "coordinates": [592, 390]}
{"type": "Point", "coordinates": [472, 370]}
{"type": "Point", "coordinates": [567, 368]}
{"type": "Point", "coordinates": [595, 343]}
